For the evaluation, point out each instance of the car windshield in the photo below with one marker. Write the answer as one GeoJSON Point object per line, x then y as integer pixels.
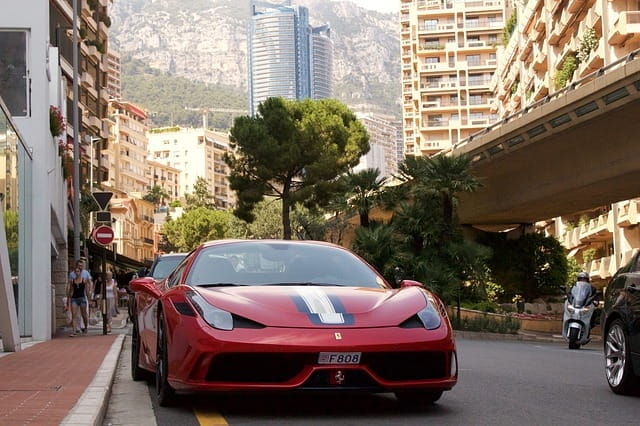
{"type": "Point", "coordinates": [580, 293]}
{"type": "Point", "coordinates": [280, 263]}
{"type": "Point", "coordinates": [164, 265]}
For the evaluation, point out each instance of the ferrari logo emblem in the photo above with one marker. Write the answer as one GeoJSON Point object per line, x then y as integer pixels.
{"type": "Point", "coordinates": [338, 336]}
{"type": "Point", "coordinates": [339, 377]}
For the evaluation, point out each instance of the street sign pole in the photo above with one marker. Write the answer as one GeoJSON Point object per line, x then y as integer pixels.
{"type": "Point", "coordinates": [104, 290]}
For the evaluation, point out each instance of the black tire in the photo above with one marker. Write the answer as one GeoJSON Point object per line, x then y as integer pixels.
{"type": "Point", "coordinates": [137, 373]}
{"type": "Point", "coordinates": [164, 392]}
{"type": "Point", "coordinates": [573, 338]}
{"type": "Point", "coordinates": [418, 398]}
{"type": "Point", "coordinates": [617, 356]}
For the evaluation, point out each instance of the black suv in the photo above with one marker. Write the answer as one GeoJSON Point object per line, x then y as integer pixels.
{"type": "Point", "coordinates": [621, 329]}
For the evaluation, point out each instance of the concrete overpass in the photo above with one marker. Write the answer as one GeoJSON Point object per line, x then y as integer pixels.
{"type": "Point", "coordinates": [576, 149]}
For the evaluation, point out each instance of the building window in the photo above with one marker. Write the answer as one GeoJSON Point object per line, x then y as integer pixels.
{"type": "Point", "coordinates": [14, 75]}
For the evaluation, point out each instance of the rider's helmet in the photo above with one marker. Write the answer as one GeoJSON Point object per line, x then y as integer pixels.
{"type": "Point", "coordinates": [583, 276]}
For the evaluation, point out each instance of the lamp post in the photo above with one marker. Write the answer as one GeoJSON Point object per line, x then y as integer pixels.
{"type": "Point", "coordinates": [91, 140]}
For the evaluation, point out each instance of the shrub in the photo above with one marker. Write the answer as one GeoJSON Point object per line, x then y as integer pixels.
{"type": "Point", "coordinates": [489, 324]}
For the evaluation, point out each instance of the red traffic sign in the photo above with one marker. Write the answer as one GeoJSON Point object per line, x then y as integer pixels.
{"type": "Point", "coordinates": [103, 234]}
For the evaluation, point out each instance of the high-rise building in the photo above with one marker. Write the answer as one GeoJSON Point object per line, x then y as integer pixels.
{"type": "Point", "coordinates": [287, 57]}
{"type": "Point", "coordinates": [449, 57]}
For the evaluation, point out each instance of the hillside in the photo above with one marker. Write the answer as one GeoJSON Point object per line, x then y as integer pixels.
{"type": "Point", "coordinates": [202, 44]}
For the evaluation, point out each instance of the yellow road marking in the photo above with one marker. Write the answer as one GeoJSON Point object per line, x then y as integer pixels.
{"type": "Point", "coordinates": [210, 418]}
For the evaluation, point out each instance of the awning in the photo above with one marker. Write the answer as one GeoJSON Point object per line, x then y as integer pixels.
{"type": "Point", "coordinates": [573, 252]}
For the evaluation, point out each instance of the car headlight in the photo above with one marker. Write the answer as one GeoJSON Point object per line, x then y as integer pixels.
{"type": "Point", "coordinates": [215, 317]}
{"type": "Point", "coordinates": [429, 316]}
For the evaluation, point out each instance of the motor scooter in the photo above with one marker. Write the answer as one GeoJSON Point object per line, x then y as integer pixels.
{"type": "Point", "coordinates": [579, 306]}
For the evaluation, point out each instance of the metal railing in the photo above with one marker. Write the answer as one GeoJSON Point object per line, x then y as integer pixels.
{"type": "Point", "coordinates": [555, 95]}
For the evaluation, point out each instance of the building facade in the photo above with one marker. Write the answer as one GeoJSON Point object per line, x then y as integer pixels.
{"type": "Point", "coordinates": [128, 150]}
{"type": "Point", "coordinates": [133, 228]}
{"type": "Point", "coordinates": [114, 85]}
{"type": "Point", "coordinates": [287, 57]}
{"type": "Point", "coordinates": [556, 43]}
{"type": "Point", "coordinates": [197, 153]}
{"type": "Point", "coordinates": [383, 134]}
{"type": "Point", "coordinates": [449, 56]}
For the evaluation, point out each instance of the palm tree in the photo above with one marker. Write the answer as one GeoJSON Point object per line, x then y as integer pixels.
{"type": "Point", "coordinates": [156, 195]}
{"type": "Point", "coordinates": [446, 176]}
{"type": "Point", "coordinates": [364, 188]}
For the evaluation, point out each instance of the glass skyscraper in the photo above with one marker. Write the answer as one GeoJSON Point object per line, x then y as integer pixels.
{"type": "Point", "coordinates": [287, 57]}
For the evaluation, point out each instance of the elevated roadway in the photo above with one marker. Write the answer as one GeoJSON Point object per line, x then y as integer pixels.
{"type": "Point", "coordinates": [576, 149]}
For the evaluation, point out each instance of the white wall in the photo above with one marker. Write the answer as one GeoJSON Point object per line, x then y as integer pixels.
{"type": "Point", "coordinates": [33, 16]}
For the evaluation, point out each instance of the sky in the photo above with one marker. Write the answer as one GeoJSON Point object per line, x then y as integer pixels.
{"type": "Point", "coordinates": [387, 6]}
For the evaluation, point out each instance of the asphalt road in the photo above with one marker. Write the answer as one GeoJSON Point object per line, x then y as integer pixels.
{"type": "Point", "coordinates": [500, 383]}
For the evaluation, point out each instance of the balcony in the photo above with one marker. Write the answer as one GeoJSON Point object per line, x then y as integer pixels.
{"type": "Point", "coordinates": [628, 213]}
{"type": "Point", "coordinates": [594, 62]}
{"type": "Point", "coordinates": [594, 16]}
{"type": "Point", "coordinates": [597, 229]}
{"type": "Point", "coordinates": [86, 80]}
{"type": "Point", "coordinates": [602, 268]}
{"type": "Point", "coordinates": [95, 122]}
{"type": "Point", "coordinates": [436, 67]}
{"type": "Point", "coordinates": [571, 238]}
{"type": "Point", "coordinates": [626, 29]}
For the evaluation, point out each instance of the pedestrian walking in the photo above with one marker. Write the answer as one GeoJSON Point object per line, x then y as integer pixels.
{"type": "Point", "coordinates": [111, 288]}
{"type": "Point", "coordinates": [78, 295]}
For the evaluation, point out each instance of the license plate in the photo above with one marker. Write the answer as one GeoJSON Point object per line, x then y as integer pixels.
{"type": "Point", "coordinates": [339, 357]}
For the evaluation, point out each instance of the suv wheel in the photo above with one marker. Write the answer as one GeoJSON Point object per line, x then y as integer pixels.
{"type": "Point", "coordinates": [618, 368]}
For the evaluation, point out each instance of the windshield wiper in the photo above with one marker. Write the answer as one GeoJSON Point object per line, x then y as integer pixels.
{"type": "Point", "coordinates": [219, 285]}
{"type": "Point", "coordinates": [307, 283]}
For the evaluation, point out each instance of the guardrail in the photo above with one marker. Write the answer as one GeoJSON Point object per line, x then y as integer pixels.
{"type": "Point", "coordinates": [555, 95]}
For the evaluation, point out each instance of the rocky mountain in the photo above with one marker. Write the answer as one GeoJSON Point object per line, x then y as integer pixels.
{"type": "Point", "coordinates": [206, 41]}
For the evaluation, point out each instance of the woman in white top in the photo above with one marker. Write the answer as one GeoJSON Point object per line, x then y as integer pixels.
{"type": "Point", "coordinates": [112, 297]}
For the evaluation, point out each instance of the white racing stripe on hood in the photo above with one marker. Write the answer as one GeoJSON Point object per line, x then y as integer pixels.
{"type": "Point", "coordinates": [319, 303]}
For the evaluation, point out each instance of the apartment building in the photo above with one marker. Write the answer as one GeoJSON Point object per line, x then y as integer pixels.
{"type": "Point", "coordinates": [114, 84]}
{"type": "Point", "coordinates": [133, 228]}
{"type": "Point", "coordinates": [167, 178]}
{"type": "Point", "coordinates": [128, 150]}
{"type": "Point", "coordinates": [556, 43]}
{"type": "Point", "coordinates": [449, 56]}
{"type": "Point", "coordinates": [197, 153]}
{"type": "Point", "coordinates": [383, 134]}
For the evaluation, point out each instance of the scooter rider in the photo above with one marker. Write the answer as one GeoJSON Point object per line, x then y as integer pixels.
{"type": "Point", "coordinates": [583, 277]}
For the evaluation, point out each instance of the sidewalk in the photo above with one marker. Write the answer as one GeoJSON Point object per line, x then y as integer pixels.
{"type": "Point", "coordinates": [65, 380]}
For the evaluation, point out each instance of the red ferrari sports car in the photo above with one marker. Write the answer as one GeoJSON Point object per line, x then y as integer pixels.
{"type": "Point", "coordinates": [270, 315]}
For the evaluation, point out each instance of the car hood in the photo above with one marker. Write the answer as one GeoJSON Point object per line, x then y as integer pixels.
{"type": "Point", "coordinates": [318, 306]}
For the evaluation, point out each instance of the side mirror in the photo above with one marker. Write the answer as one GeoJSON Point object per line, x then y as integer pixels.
{"type": "Point", "coordinates": [563, 288]}
{"type": "Point", "coordinates": [410, 283]}
{"type": "Point", "coordinates": [145, 285]}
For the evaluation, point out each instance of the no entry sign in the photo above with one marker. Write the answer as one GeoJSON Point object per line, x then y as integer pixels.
{"type": "Point", "coordinates": [103, 234]}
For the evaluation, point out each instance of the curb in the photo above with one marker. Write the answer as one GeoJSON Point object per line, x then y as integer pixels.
{"type": "Point", "coordinates": [92, 405]}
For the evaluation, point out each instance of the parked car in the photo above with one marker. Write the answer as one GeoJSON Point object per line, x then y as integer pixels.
{"type": "Point", "coordinates": [621, 329]}
{"type": "Point", "coordinates": [160, 268]}
{"type": "Point", "coordinates": [267, 315]}
{"type": "Point", "coordinates": [164, 264]}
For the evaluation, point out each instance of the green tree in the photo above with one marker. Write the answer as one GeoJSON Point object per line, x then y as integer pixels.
{"type": "Point", "coordinates": [532, 265]}
{"type": "Point", "coordinates": [201, 196]}
{"type": "Point", "coordinates": [156, 195]}
{"type": "Point", "coordinates": [293, 151]}
{"type": "Point", "coordinates": [196, 226]}
{"type": "Point", "coordinates": [363, 189]}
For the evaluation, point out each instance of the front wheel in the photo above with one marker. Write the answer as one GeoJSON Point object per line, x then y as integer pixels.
{"type": "Point", "coordinates": [164, 391]}
{"type": "Point", "coordinates": [137, 373]}
{"type": "Point", "coordinates": [618, 368]}
{"type": "Point", "coordinates": [573, 338]}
